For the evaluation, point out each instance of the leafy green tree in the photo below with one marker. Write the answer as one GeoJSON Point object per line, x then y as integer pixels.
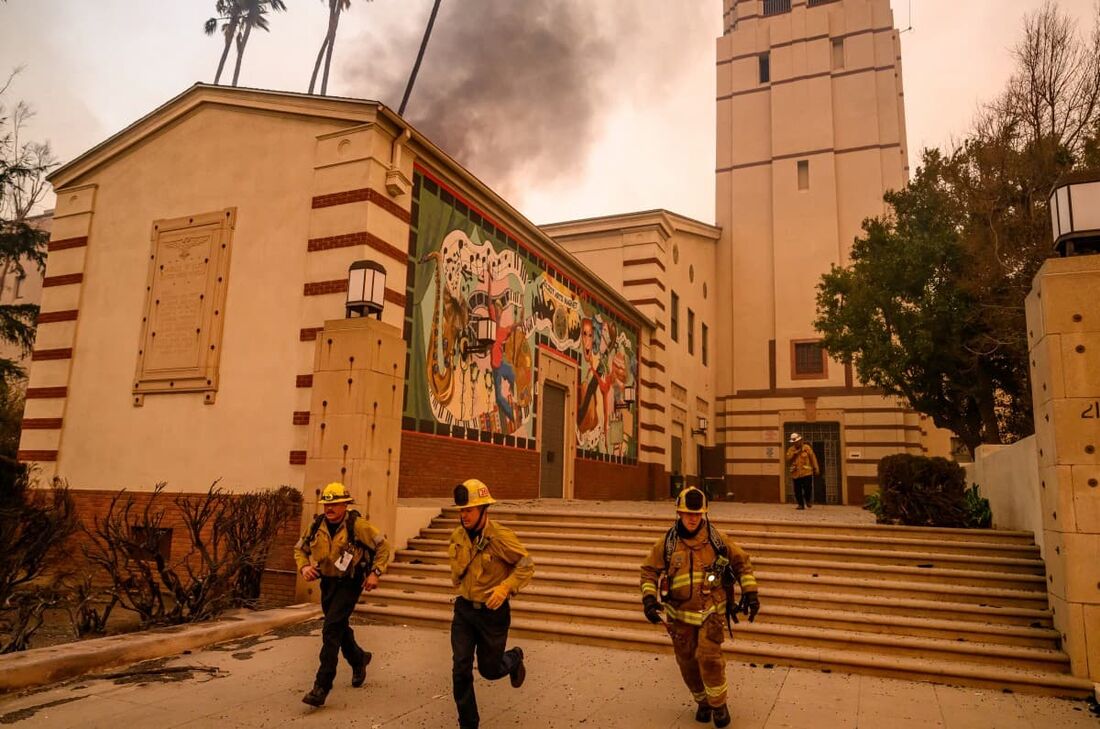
{"type": "Point", "coordinates": [930, 306]}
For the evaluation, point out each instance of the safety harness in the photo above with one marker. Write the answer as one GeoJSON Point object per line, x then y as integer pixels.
{"type": "Point", "coordinates": [364, 565]}
{"type": "Point", "coordinates": [721, 567]}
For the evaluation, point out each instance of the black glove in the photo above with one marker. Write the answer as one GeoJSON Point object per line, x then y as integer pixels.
{"type": "Point", "coordinates": [750, 605]}
{"type": "Point", "coordinates": [652, 609]}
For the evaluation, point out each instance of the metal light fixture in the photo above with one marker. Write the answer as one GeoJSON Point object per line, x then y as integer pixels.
{"type": "Point", "coordinates": [702, 429]}
{"type": "Point", "coordinates": [627, 399]}
{"type": "Point", "coordinates": [1075, 214]}
{"type": "Point", "coordinates": [483, 333]}
{"type": "Point", "coordinates": [366, 289]}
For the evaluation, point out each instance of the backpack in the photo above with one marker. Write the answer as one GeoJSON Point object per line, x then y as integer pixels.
{"type": "Point", "coordinates": [349, 523]}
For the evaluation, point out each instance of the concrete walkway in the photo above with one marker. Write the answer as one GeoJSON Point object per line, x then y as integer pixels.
{"type": "Point", "coordinates": [258, 682]}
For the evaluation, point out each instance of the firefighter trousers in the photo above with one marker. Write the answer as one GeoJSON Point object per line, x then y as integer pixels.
{"type": "Point", "coordinates": [698, 651]}
{"type": "Point", "coordinates": [477, 629]}
{"type": "Point", "coordinates": [338, 598]}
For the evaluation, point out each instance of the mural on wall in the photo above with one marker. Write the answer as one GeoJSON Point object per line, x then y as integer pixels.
{"type": "Point", "coordinates": [482, 306]}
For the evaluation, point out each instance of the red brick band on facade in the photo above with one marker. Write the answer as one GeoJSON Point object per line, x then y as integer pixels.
{"type": "Point", "coordinates": [40, 355]}
{"type": "Point", "coordinates": [303, 381]}
{"type": "Point", "coordinates": [651, 449]}
{"type": "Point", "coordinates": [651, 363]}
{"type": "Point", "coordinates": [46, 393]}
{"type": "Point", "coordinates": [645, 282]}
{"type": "Point", "coordinates": [300, 417]}
{"type": "Point", "coordinates": [363, 194]}
{"type": "Point", "coordinates": [642, 302]}
{"type": "Point", "coordinates": [48, 317]}
{"type": "Point", "coordinates": [297, 458]}
{"type": "Point", "coordinates": [357, 239]}
{"type": "Point", "coordinates": [643, 261]}
{"type": "Point", "coordinates": [63, 280]}
{"type": "Point", "coordinates": [652, 385]}
{"type": "Point", "coordinates": [653, 406]}
{"type": "Point", "coordinates": [652, 427]}
{"type": "Point", "coordinates": [24, 456]}
{"type": "Point", "coordinates": [41, 423]}
{"type": "Point", "coordinates": [67, 243]}
{"type": "Point", "coordinates": [340, 286]}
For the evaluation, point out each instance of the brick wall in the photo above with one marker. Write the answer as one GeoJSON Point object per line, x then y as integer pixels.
{"type": "Point", "coordinates": [277, 586]}
{"type": "Point", "coordinates": [431, 465]}
{"type": "Point", "coordinates": [611, 481]}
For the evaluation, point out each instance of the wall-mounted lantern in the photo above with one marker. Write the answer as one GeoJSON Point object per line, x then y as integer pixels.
{"type": "Point", "coordinates": [1075, 214]}
{"type": "Point", "coordinates": [627, 400]}
{"type": "Point", "coordinates": [483, 333]}
{"type": "Point", "coordinates": [702, 427]}
{"type": "Point", "coordinates": [366, 289]}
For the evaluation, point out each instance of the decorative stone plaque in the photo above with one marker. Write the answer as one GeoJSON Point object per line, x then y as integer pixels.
{"type": "Point", "coordinates": [181, 327]}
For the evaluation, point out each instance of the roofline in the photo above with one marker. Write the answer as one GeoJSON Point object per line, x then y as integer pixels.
{"type": "Point", "coordinates": [674, 221]}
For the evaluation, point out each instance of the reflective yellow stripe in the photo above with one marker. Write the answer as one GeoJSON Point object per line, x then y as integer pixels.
{"type": "Point", "coordinates": [691, 617]}
{"type": "Point", "coordinates": [716, 691]}
{"type": "Point", "coordinates": [748, 581]}
{"type": "Point", "coordinates": [684, 579]}
{"type": "Point", "coordinates": [699, 697]}
{"type": "Point", "coordinates": [649, 588]}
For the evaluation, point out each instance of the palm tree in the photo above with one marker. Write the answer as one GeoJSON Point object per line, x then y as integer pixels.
{"type": "Point", "coordinates": [335, 7]}
{"type": "Point", "coordinates": [228, 11]}
{"type": "Point", "coordinates": [253, 14]}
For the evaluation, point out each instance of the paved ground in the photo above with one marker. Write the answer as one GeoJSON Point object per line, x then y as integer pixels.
{"type": "Point", "coordinates": [259, 682]}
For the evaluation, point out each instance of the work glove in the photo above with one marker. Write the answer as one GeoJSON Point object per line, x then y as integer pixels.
{"type": "Point", "coordinates": [652, 609]}
{"type": "Point", "coordinates": [750, 604]}
{"type": "Point", "coordinates": [497, 596]}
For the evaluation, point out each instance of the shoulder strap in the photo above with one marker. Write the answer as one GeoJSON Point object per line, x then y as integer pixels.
{"type": "Point", "coordinates": [716, 540]}
{"type": "Point", "coordinates": [354, 540]}
{"type": "Point", "coordinates": [670, 545]}
{"type": "Point", "coordinates": [312, 532]}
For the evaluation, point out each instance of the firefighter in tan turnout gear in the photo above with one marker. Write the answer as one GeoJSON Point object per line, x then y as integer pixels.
{"type": "Point", "coordinates": [690, 575]}
{"type": "Point", "coordinates": [488, 566]}
{"type": "Point", "coordinates": [348, 554]}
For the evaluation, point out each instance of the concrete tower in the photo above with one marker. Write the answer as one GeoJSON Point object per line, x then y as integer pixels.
{"type": "Point", "coordinates": [811, 133]}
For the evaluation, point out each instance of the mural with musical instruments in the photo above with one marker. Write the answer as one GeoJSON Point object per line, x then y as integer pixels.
{"type": "Point", "coordinates": [482, 305]}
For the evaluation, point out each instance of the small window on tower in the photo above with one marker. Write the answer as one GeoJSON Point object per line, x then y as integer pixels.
{"type": "Point", "coordinates": [838, 53]}
{"type": "Point", "coordinates": [765, 68]}
{"type": "Point", "coordinates": [803, 174]}
{"type": "Point", "coordinates": [807, 360]}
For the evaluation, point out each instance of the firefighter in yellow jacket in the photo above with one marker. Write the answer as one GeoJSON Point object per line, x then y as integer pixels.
{"type": "Point", "coordinates": [348, 554]}
{"type": "Point", "coordinates": [802, 465]}
{"type": "Point", "coordinates": [689, 574]}
{"type": "Point", "coordinates": [488, 566]}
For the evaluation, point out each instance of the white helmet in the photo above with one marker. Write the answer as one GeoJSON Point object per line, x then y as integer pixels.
{"type": "Point", "coordinates": [796, 437]}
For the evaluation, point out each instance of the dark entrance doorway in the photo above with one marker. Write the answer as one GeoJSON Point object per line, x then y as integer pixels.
{"type": "Point", "coordinates": [551, 475]}
{"type": "Point", "coordinates": [824, 438]}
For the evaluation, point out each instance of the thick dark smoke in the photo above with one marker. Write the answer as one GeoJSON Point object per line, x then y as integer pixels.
{"type": "Point", "coordinates": [512, 89]}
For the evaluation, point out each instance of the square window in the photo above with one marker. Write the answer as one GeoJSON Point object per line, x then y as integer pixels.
{"type": "Point", "coordinates": [765, 68]}
{"type": "Point", "coordinates": [808, 360]}
{"type": "Point", "coordinates": [803, 174]}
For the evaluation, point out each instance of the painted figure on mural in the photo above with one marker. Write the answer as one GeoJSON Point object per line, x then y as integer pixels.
{"type": "Point", "coordinates": [502, 311]}
{"type": "Point", "coordinates": [588, 415]}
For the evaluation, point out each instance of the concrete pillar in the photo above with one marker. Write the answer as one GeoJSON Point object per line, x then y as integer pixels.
{"type": "Point", "coordinates": [1063, 322]}
{"type": "Point", "coordinates": [355, 421]}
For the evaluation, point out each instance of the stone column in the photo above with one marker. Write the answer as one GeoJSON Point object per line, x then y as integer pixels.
{"type": "Point", "coordinates": [1063, 322]}
{"type": "Point", "coordinates": [355, 421]}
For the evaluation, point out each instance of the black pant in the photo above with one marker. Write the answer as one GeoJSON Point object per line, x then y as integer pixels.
{"type": "Point", "coordinates": [485, 631]}
{"type": "Point", "coordinates": [338, 598]}
{"type": "Point", "coordinates": [804, 490]}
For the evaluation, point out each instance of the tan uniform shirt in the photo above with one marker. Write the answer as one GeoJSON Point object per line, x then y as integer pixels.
{"type": "Point", "coordinates": [691, 598]}
{"type": "Point", "coordinates": [497, 557]}
{"type": "Point", "coordinates": [801, 461]}
{"type": "Point", "coordinates": [323, 551]}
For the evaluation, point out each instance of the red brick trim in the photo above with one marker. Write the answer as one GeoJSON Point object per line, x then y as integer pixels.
{"type": "Point", "coordinates": [642, 302]}
{"type": "Point", "coordinates": [646, 282]}
{"type": "Point", "coordinates": [651, 449]}
{"type": "Point", "coordinates": [64, 280]}
{"type": "Point", "coordinates": [643, 261]}
{"type": "Point", "coordinates": [395, 298]}
{"type": "Point", "coordinates": [320, 288]}
{"type": "Point", "coordinates": [39, 355]}
{"type": "Point", "coordinates": [360, 195]}
{"type": "Point", "coordinates": [652, 427]}
{"type": "Point", "coordinates": [36, 456]}
{"type": "Point", "coordinates": [44, 393]}
{"type": "Point", "coordinates": [309, 334]}
{"type": "Point", "coordinates": [303, 381]}
{"type": "Point", "coordinates": [66, 243]}
{"type": "Point", "coordinates": [357, 239]}
{"type": "Point", "coordinates": [657, 343]}
{"type": "Point", "coordinates": [297, 458]}
{"type": "Point", "coordinates": [651, 363]}
{"type": "Point", "coordinates": [48, 317]}
{"type": "Point", "coordinates": [653, 385]}
{"type": "Point", "coordinates": [41, 423]}
{"type": "Point", "coordinates": [300, 417]}
{"type": "Point", "coordinates": [652, 406]}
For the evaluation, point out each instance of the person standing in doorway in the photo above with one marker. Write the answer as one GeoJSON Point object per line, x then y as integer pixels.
{"type": "Point", "coordinates": [488, 566]}
{"type": "Point", "coordinates": [802, 465]}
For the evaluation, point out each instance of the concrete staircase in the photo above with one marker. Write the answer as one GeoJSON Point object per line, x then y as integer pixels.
{"type": "Point", "coordinates": [966, 607]}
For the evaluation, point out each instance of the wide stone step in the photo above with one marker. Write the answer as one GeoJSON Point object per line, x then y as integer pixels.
{"type": "Point", "coordinates": [618, 561]}
{"type": "Point", "coordinates": [597, 593]}
{"type": "Point", "coordinates": [628, 548]}
{"type": "Point", "coordinates": [814, 535]}
{"type": "Point", "coordinates": [506, 513]}
{"type": "Point", "coordinates": [748, 648]}
{"type": "Point", "coordinates": [843, 616]}
{"type": "Point", "coordinates": [556, 575]}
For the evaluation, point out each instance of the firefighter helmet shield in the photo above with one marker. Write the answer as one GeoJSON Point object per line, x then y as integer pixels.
{"type": "Point", "coordinates": [472, 492]}
{"type": "Point", "coordinates": [692, 501]}
{"type": "Point", "coordinates": [336, 493]}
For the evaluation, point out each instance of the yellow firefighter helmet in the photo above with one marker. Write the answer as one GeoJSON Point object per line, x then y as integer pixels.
{"type": "Point", "coordinates": [691, 501]}
{"type": "Point", "coordinates": [336, 493]}
{"type": "Point", "coordinates": [472, 492]}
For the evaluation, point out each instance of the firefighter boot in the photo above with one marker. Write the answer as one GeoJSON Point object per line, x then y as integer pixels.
{"type": "Point", "coordinates": [703, 713]}
{"type": "Point", "coordinates": [359, 673]}
{"type": "Point", "coordinates": [519, 673]}
{"type": "Point", "coordinates": [316, 696]}
{"type": "Point", "coordinates": [721, 716]}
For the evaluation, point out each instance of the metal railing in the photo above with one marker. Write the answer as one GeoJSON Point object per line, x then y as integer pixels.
{"type": "Point", "coordinates": [775, 7]}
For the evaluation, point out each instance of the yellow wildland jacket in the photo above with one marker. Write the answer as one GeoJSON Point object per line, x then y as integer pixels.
{"type": "Point", "coordinates": [324, 551]}
{"type": "Point", "coordinates": [496, 558]}
{"type": "Point", "coordinates": [801, 461]}
{"type": "Point", "coordinates": [692, 594]}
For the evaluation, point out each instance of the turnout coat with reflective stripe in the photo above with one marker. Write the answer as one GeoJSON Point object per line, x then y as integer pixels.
{"type": "Point", "coordinates": [324, 550]}
{"type": "Point", "coordinates": [690, 600]}
{"type": "Point", "coordinates": [496, 558]}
